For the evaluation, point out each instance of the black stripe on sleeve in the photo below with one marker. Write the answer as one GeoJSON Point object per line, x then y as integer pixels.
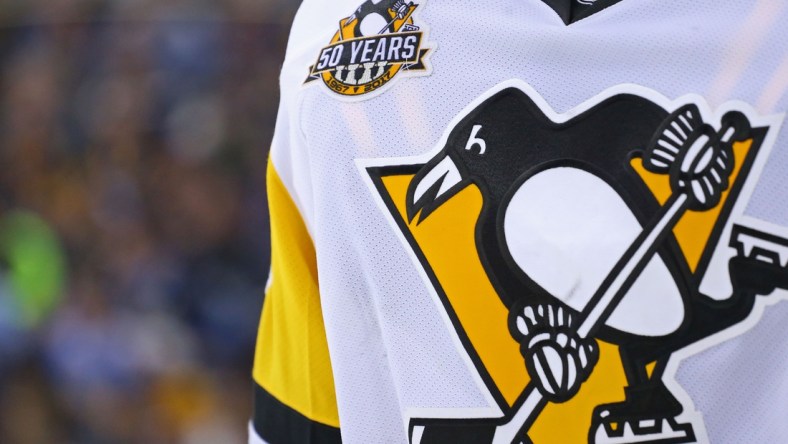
{"type": "Point", "coordinates": [277, 423]}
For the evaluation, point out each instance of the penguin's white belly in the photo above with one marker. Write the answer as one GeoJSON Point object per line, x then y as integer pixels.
{"type": "Point", "coordinates": [567, 228]}
{"type": "Point", "coordinates": [372, 24]}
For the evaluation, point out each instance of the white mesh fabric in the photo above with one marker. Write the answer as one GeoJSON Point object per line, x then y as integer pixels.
{"type": "Point", "coordinates": [740, 386]}
{"type": "Point", "coordinates": [390, 347]}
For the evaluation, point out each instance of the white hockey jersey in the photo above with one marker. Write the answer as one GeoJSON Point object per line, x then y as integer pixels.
{"type": "Point", "coordinates": [529, 221]}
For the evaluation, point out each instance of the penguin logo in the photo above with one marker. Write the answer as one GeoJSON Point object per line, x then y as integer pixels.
{"type": "Point", "coordinates": [579, 257]}
{"type": "Point", "coordinates": [376, 43]}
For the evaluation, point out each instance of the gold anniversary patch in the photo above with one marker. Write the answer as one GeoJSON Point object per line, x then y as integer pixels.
{"type": "Point", "coordinates": [377, 43]}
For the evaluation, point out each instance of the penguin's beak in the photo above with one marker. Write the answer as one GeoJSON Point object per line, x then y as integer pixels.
{"type": "Point", "coordinates": [432, 186]}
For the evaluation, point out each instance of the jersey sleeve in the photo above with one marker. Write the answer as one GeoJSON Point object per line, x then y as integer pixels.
{"type": "Point", "coordinates": [295, 400]}
{"type": "Point", "coordinates": [294, 397]}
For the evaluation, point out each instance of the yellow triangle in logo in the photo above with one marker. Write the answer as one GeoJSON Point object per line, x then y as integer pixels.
{"type": "Point", "coordinates": [694, 229]}
{"type": "Point", "coordinates": [447, 242]}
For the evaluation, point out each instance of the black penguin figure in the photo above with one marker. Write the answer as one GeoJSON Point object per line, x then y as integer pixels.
{"type": "Point", "coordinates": [506, 141]}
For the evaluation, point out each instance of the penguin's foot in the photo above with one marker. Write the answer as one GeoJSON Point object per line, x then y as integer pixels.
{"type": "Point", "coordinates": [657, 430]}
{"type": "Point", "coordinates": [647, 416]}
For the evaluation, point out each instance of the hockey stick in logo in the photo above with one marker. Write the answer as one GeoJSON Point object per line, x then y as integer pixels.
{"type": "Point", "coordinates": [402, 11]}
{"type": "Point", "coordinates": [699, 161]}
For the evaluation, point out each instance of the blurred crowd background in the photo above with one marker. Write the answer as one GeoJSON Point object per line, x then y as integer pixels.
{"type": "Point", "coordinates": [133, 234]}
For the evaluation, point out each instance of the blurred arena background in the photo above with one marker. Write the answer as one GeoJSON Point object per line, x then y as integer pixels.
{"type": "Point", "coordinates": [133, 236]}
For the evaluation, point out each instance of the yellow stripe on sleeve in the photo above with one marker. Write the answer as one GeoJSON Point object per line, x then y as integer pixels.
{"type": "Point", "coordinates": [292, 361]}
